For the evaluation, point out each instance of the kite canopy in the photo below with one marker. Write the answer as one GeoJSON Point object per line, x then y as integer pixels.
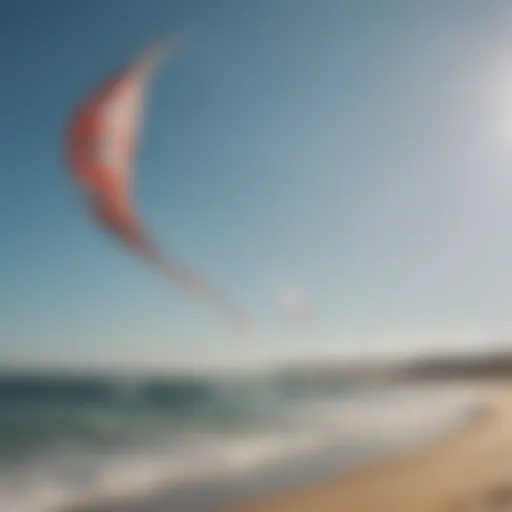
{"type": "Point", "coordinates": [101, 145]}
{"type": "Point", "coordinates": [102, 138]}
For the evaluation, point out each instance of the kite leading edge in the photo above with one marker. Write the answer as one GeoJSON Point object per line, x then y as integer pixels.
{"type": "Point", "coordinates": [101, 145]}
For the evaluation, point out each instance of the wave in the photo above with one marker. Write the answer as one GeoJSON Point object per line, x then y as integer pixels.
{"type": "Point", "coordinates": [80, 473]}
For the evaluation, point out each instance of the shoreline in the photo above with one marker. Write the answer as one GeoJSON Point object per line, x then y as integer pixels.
{"type": "Point", "coordinates": [467, 467]}
{"type": "Point", "coordinates": [280, 479]}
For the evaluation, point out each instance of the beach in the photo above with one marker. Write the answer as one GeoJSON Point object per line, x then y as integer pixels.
{"type": "Point", "coordinates": [204, 444]}
{"type": "Point", "coordinates": [467, 470]}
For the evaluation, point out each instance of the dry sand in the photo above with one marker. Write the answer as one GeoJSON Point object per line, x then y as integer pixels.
{"type": "Point", "coordinates": [469, 470]}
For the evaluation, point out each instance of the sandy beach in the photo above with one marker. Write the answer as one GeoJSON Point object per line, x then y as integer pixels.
{"type": "Point", "coordinates": [469, 470]}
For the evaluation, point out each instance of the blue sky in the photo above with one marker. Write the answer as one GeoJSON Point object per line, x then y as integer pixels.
{"type": "Point", "coordinates": [357, 151]}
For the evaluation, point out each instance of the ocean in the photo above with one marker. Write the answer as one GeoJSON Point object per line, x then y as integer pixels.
{"type": "Point", "coordinates": [194, 444]}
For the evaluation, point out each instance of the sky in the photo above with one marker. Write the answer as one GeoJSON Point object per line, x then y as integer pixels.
{"type": "Point", "coordinates": [355, 155]}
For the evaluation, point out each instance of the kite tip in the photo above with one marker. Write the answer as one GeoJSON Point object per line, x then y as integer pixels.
{"type": "Point", "coordinates": [243, 323]}
{"type": "Point", "coordinates": [156, 52]}
{"type": "Point", "coordinates": [169, 42]}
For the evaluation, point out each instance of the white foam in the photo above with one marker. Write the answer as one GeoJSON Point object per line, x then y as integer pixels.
{"type": "Point", "coordinates": [77, 477]}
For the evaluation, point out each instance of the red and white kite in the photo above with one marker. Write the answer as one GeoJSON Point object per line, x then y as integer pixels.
{"type": "Point", "coordinates": [101, 145]}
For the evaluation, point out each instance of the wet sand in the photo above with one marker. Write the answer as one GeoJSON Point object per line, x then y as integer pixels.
{"type": "Point", "coordinates": [469, 470]}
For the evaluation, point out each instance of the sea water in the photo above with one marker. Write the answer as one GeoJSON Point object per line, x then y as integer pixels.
{"type": "Point", "coordinates": [145, 443]}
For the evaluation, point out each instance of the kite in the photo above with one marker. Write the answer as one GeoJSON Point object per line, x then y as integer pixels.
{"type": "Point", "coordinates": [101, 146]}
